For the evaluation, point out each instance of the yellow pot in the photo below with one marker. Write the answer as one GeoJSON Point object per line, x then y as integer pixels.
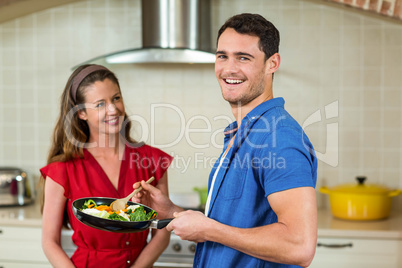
{"type": "Point", "coordinates": [360, 201]}
{"type": "Point", "coordinates": [203, 192]}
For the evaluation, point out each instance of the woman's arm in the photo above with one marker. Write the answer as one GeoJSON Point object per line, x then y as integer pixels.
{"type": "Point", "coordinates": [160, 238]}
{"type": "Point", "coordinates": [52, 222]}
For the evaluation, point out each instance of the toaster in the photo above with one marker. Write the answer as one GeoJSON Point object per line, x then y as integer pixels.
{"type": "Point", "coordinates": [16, 188]}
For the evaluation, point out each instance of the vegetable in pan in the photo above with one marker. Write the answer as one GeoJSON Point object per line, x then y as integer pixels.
{"type": "Point", "coordinates": [130, 213]}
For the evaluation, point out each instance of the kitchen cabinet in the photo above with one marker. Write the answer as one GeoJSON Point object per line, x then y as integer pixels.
{"type": "Point", "coordinates": [21, 247]}
{"type": "Point", "coordinates": [358, 244]}
{"type": "Point", "coordinates": [354, 243]}
{"type": "Point", "coordinates": [356, 253]}
{"type": "Point", "coordinates": [22, 264]}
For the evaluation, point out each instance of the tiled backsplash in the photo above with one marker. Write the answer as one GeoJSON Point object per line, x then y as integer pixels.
{"type": "Point", "coordinates": [337, 64]}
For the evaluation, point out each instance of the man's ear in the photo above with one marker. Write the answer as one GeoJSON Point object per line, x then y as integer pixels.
{"type": "Point", "coordinates": [82, 115]}
{"type": "Point", "coordinates": [273, 63]}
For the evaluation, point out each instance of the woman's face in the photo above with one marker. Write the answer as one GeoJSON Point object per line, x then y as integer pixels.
{"type": "Point", "coordinates": [104, 111]}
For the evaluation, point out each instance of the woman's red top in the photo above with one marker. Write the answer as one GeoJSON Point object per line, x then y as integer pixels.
{"type": "Point", "coordinates": [84, 177]}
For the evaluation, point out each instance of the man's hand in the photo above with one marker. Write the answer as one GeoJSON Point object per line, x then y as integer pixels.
{"type": "Point", "coordinates": [154, 198]}
{"type": "Point", "coordinates": [191, 225]}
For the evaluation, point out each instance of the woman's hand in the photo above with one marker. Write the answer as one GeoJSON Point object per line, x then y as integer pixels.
{"type": "Point", "coordinates": [155, 199]}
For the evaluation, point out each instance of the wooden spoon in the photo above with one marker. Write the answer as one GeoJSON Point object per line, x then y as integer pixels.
{"type": "Point", "coordinates": [120, 204]}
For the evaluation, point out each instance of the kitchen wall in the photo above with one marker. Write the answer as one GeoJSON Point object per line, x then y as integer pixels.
{"type": "Point", "coordinates": [342, 66]}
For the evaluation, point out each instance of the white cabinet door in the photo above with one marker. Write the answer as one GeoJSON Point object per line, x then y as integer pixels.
{"type": "Point", "coordinates": [357, 253]}
{"type": "Point", "coordinates": [21, 244]}
{"type": "Point", "coordinates": [21, 264]}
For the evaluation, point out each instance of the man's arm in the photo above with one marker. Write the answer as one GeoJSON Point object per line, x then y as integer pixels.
{"type": "Point", "coordinates": [291, 240]}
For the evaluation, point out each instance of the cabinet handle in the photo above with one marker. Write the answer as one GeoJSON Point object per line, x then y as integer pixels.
{"type": "Point", "coordinates": [335, 245]}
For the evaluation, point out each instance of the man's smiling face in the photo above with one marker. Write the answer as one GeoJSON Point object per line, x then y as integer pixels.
{"type": "Point", "coordinates": [240, 67]}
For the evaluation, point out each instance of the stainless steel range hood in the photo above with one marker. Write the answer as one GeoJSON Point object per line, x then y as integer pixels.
{"type": "Point", "coordinates": [173, 31]}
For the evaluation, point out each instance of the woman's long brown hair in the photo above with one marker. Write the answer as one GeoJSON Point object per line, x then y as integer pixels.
{"type": "Point", "coordinates": [70, 132]}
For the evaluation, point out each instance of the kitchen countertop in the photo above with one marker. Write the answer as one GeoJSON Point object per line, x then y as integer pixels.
{"type": "Point", "coordinates": [328, 226]}
{"type": "Point", "coordinates": [390, 228]}
{"type": "Point", "coordinates": [24, 216]}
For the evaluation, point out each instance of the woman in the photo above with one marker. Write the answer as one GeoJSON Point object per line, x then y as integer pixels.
{"type": "Point", "coordinates": [92, 154]}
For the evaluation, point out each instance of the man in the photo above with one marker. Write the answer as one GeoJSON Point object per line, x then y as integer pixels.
{"type": "Point", "coordinates": [261, 209]}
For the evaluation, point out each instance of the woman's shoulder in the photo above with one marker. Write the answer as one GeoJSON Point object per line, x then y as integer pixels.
{"type": "Point", "coordinates": [55, 164]}
{"type": "Point", "coordinates": [61, 164]}
{"type": "Point", "coordinates": [53, 169]}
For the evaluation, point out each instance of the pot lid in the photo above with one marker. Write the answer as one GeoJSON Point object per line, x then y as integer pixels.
{"type": "Point", "coordinates": [361, 188]}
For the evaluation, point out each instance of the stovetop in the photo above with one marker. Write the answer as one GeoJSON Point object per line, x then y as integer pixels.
{"type": "Point", "coordinates": [180, 247]}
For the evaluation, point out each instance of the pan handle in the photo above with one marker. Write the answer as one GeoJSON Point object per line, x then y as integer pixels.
{"type": "Point", "coordinates": [160, 224]}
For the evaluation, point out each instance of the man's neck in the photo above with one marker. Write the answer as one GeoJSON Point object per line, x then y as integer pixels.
{"type": "Point", "coordinates": [240, 111]}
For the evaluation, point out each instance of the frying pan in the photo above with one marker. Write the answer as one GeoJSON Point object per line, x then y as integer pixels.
{"type": "Point", "coordinates": [114, 225]}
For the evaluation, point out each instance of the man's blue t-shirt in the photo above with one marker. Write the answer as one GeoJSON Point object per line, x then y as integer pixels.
{"type": "Point", "coordinates": [270, 153]}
